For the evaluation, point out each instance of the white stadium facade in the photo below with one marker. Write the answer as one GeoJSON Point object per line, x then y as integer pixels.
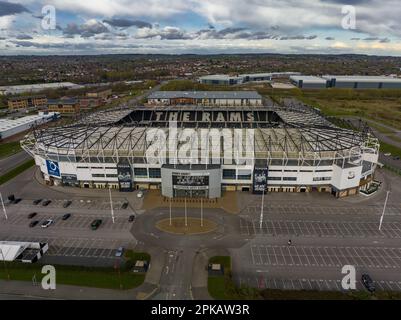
{"type": "Point", "coordinates": [294, 149]}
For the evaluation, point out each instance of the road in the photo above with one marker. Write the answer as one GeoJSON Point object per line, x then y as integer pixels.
{"type": "Point", "coordinates": [11, 162]}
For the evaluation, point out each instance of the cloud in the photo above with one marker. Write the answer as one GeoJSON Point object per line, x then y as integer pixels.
{"type": "Point", "coordinates": [166, 33]}
{"type": "Point", "coordinates": [8, 8]}
{"type": "Point", "coordinates": [126, 23]}
{"type": "Point", "coordinates": [86, 30]}
{"type": "Point", "coordinates": [24, 37]}
{"type": "Point", "coordinates": [329, 38]}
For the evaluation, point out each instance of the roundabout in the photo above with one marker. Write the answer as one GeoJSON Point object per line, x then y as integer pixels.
{"type": "Point", "coordinates": [189, 226]}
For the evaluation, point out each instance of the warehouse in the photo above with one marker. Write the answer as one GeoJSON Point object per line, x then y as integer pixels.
{"type": "Point", "coordinates": [221, 79]}
{"type": "Point", "coordinates": [205, 98]}
{"type": "Point", "coordinates": [258, 149]}
{"type": "Point", "coordinates": [363, 82]}
{"type": "Point", "coordinates": [346, 82]}
{"type": "Point", "coordinates": [309, 82]}
{"type": "Point", "coordinates": [6, 90]}
{"type": "Point", "coordinates": [11, 127]}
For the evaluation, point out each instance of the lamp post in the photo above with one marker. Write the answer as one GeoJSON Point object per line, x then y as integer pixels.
{"type": "Point", "coordinates": [261, 210]}
{"type": "Point", "coordinates": [111, 205]}
{"type": "Point", "coordinates": [384, 210]}
{"type": "Point", "coordinates": [4, 208]}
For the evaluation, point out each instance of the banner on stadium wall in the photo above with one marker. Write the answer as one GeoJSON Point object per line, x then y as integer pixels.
{"type": "Point", "coordinates": [53, 168]}
{"type": "Point", "coordinates": [259, 180]}
{"type": "Point", "coordinates": [124, 172]}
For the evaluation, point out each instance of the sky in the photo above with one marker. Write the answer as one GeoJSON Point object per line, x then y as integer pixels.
{"type": "Point", "coordinates": [200, 26]}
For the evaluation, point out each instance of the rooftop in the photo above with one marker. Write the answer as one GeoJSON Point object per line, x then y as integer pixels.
{"type": "Point", "coordinates": [205, 94]}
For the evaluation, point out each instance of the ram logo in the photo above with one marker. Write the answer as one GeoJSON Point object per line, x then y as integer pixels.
{"type": "Point", "coordinates": [53, 168]}
{"type": "Point", "coordinates": [351, 175]}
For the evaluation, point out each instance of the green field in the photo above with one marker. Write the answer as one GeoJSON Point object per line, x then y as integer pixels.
{"type": "Point", "coordinates": [10, 148]}
{"type": "Point", "coordinates": [16, 171]}
{"type": "Point", "coordinates": [380, 105]}
{"type": "Point", "coordinates": [108, 278]}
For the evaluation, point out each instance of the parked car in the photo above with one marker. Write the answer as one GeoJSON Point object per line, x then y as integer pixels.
{"type": "Point", "coordinates": [124, 205]}
{"type": "Point", "coordinates": [66, 216]}
{"type": "Point", "coordinates": [119, 252]}
{"type": "Point", "coordinates": [31, 215]}
{"type": "Point", "coordinates": [17, 200]}
{"type": "Point", "coordinates": [368, 283]}
{"type": "Point", "coordinates": [33, 223]}
{"type": "Point", "coordinates": [46, 203]}
{"type": "Point", "coordinates": [387, 154]}
{"type": "Point", "coordinates": [96, 224]}
{"type": "Point", "coordinates": [11, 198]}
{"type": "Point", "coordinates": [67, 204]}
{"type": "Point", "coordinates": [47, 223]}
{"type": "Point", "coordinates": [37, 201]}
{"type": "Point", "coordinates": [131, 218]}
{"type": "Point", "coordinates": [140, 194]}
{"type": "Point", "coordinates": [396, 158]}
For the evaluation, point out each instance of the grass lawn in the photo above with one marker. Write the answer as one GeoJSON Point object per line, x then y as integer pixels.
{"type": "Point", "coordinates": [16, 171]}
{"type": "Point", "coordinates": [385, 147]}
{"type": "Point", "coordinates": [223, 287]}
{"type": "Point", "coordinates": [379, 105]}
{"type": "Point", "coordinates": [108, 278]}
{"type": "Point", "coordinates": [10, 148]}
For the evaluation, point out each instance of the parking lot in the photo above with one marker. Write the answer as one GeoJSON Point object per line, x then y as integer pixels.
{"type": "Point", "coordinates": [264, 282]}
{"type": "Point", "coordinates": [254, 210]}
{"type": "Point", "coordinates": [319, 228]}
{"type": "Point", "coordinates": [319, 256]}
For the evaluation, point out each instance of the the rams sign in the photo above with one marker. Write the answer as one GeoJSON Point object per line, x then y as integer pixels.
{"type": "Point", "coordinates": [53, 168]}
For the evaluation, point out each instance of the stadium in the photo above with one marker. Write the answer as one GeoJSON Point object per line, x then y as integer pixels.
{"type": "Point", "coordinates": [294, 149]}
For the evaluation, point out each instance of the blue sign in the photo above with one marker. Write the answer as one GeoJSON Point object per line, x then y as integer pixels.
{"type": "Point", "coordinates": [52, 168]}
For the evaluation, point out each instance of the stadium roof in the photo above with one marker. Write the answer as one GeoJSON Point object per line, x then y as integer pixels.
{"type": "Point", "coordinates": [205, 95]}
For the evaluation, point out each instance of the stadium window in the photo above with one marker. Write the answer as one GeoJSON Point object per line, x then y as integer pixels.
{"type": "Point", "coordinates": [141, 172]}
{"type": "Point", "coordinates": [111, 176]}
{"type": "Point", "coordinates": [244, 177]}
{"type": "Point", "coordinates": [229, 174]}
{"type": "Point", "coordinates": [274, 178]}
{"type": "Point", "coordinates": [97, 175]}
{"type": "Point", "coordinates": [155, 173]}
{"type": "Point", "coordinates": [328, 170]}
{"type": "Point", "coordinates": [290, 178]}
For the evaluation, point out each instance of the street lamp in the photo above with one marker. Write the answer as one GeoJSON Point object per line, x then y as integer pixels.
{"type": "Point", "coordinates": [384, 210]}
{"type": "Point", "coordinates": [4, 208]}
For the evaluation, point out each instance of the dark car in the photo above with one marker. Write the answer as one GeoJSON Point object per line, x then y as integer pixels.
{"type": "Point", "coordinates": [11, 198]}
{"type": "Point", "coordinates": [46, 203]}
{"type": "Point", "coordinates": [396, 158]}
{"type": "Point", "coordinates": [17, 200]}
{"type": "Point", "coordinates": [31, 215]}
{"type": "Point", "coordinates": [96, 224]}
{"type": "Point", "coordinates": [131, 218]}
{"type": "Point", "coordinates": [67, 204]}
{"type": "Point", "coordinates": [33, 223]}
{"type": "Point", "coordinates": [124, 205]}
{"type": "Point", "coordinates": [368, 283]}
{"type": "Point", "coordinates": [66, 216]}
{"type": "Point", "coordinates": [37, 201]}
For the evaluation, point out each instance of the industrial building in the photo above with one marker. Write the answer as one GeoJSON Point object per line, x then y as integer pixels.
{"type": "Point", "coordinates": [10, 90]}
{"type": "Point", "coordinates": [290, 149]}
{"type": "Point", "coordinates": [11, 127]}
{"type": "Point", "coordinates": [24, 103]}
{"type": "Point", "coordinates": [363, 82]}
{"type": "Point", "coordinates": [100, 93]}
{"type": "Point", "coordinates": [206, 98]}
{"type": "Point", "coordinates": [309, 82]}
{"type": "Point", "coordinates": [222, 79]}
{"type": "Point", "coordinates": [346, 82]}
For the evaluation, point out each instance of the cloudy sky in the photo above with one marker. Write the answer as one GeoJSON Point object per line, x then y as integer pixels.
{"type": "Point", "coordinates": [200, 26]}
